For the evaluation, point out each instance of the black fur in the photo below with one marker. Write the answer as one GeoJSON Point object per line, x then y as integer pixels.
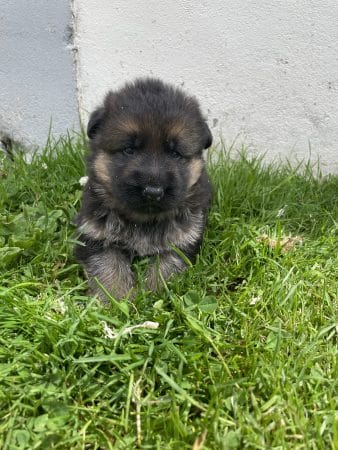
{"type": "Point", "coordinates": [148, 189]}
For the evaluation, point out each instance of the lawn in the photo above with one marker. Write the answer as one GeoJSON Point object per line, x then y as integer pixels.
{"type": "Point", "coordinates": [240, 352]}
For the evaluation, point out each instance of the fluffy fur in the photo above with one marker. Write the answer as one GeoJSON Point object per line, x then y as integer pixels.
{"type": "Point", "coordinates": [148, 191]}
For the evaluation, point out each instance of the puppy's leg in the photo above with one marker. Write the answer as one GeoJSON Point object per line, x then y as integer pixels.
{"type": "Point", "coordinates": [168, 263]}
{"type": "Point", "coordinates": [112, 269]}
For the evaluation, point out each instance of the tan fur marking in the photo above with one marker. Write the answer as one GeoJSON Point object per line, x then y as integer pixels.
{"type": "Point", "coordinates": [128, 126]}
{"type": "Point", "coordinates": [178, 129]}
{"type": "Point", "coordinates": [101, 167]}
{"type": "Point", "coordinates": [195, 168]}
{"type": "Point", "coordinates": [90, 228]}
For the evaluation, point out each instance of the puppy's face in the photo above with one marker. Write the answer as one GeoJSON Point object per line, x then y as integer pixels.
{"type": "Point", "coordinates": [147, 142]}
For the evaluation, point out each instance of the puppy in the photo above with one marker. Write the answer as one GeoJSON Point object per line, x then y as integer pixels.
{"type": "Point", "coordinates": [148, 192]}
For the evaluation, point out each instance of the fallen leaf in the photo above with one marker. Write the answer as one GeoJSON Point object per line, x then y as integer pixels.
{"type": "Point", "coordinates": [286, 243]}
{"type": "Point", "coordinates": [199, 441]}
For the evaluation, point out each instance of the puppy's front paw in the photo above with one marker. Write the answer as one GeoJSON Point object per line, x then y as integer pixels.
{"type": "Point", "coordinates": [116, 290]}
{"type": "Point", "coordinates": [165, 265]}
{"type": "Point", "coordinates": [111, 269]}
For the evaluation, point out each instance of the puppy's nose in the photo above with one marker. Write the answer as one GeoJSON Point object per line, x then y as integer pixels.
{"type": "Point", "coordinates": [153, 193]}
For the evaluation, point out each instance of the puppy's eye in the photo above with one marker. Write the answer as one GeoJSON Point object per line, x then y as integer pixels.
{"type": "Point", "coordinates": [172, 147]}
{"type": "Point", "coordinates": [128, 151]}
{"type": "Point", "coordinates": [175, 154]}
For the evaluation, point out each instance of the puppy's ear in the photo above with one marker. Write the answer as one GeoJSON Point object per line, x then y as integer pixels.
{"type": "Point", "coordinates": [206, 136]}
{"type": "Point", "coordinates": [95, 122]}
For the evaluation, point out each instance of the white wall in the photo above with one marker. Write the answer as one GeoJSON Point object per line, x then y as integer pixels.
{"type": "Point", "coordinates": [266, 70]}
{"type": "Point", "coordinates": [37, 76]}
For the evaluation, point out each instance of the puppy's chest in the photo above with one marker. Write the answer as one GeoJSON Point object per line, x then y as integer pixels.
{"type": "Point", "coordinates": [153, 239]}
{"type": "Point", "coordinates": [148, 239]}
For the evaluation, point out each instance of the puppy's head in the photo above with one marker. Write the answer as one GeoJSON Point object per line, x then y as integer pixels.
{"type": "Point", "coordinates": [146, 148]}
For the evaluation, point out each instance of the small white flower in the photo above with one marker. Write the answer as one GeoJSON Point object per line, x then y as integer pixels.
{"type": "Point", "coordinates": [254, 300]}
{"type": "Point", "coordinates": [62, 307]}
{"type": "Point", "coordinates": [148, 324]}
{"type": "Point", "coordinates": [83, 181]}
{"type": "Point", "coordinates": [110, 334]}
{"type": "Point", "coordinates": [59, 306]}
{"type": "Point", "coordinates": [281, 212]}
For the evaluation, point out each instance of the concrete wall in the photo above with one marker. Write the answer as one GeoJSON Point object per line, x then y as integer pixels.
{"type": "Point", "coordinates": [37, 75]}
{"type": "Point", "coordinates": [264, 70]}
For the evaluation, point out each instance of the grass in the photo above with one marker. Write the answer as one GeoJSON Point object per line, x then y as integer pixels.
{"type": "Point", "coordinates": [245, 352]}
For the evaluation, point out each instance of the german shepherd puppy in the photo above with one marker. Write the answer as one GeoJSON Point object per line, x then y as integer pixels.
{"type": "Point", "coordinates": [148, 192]}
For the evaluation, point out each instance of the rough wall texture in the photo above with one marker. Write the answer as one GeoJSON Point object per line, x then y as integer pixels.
{"type": "Point", "coordinates": [264, 71]}
{"type": "Point", "coordinates": [37, 76]}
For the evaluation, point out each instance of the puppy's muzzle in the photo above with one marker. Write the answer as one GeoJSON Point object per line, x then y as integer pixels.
{"type": "Point", "coordinates": [153, 193]}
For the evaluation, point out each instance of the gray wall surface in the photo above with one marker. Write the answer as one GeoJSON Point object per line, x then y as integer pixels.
{"type": "Point", "coordinates": [265, 71]}
{"type": "Point", "coordinates": [37, 74]}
